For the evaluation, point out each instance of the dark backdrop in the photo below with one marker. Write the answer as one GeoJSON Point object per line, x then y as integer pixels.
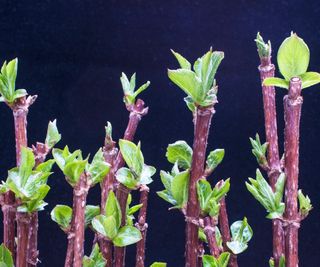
{"type": "Point", "coordinates": [71, 53]}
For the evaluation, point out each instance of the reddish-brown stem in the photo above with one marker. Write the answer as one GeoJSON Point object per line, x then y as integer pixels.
{"type": "Point", "coordinates": [136, 112]}
{"type": "Point", "coordinates": [23, 223]}
{"type": "Point", "coordinates": [210, 231]}
{"type": "Point", "coordinates": [292, 113]}
{"type": "Point", "coordinates": [70, 232]}
{"type": "Point", "coordinates": [107, 185]}
{"type": "Point", "coordinates": [81, 192]}
{"type": "Point", "coordinates": [40, 152]}
{"type": "Point", "coordinates": [142, 226]}
{"type": "Point", "coordinates": [202, 121]}
{"type": "Point", "coordinates": [225, 231]}
{"type": "Point", "coordinates": [266, 69]}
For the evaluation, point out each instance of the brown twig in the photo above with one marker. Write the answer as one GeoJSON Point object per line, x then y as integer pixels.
{"type": "Point", "coordinates": [202, 121]}
{"type": "Point", "coordinates": [23, 223]}
{"type": "Point", "coordinates": [292, 113]}
{"type": "Point", "coordinates": [210, 231]}
{"type": "Point", "coordinates": [225, 231]}
{"type": "Point", "coordinates": [266, 70]}
{"type": "Point", "coordinates": [20, 111]}
{"type": "Point", "coordinates": [142, 226]}
{"type": "Point", "coordinates": [109, 152]}
{"type": "Point", "coordinates": [81, 192]}
{"type": "Point", "coordinates": [137, 111]}
{"type": "Point", "coordinates": [40, 152]}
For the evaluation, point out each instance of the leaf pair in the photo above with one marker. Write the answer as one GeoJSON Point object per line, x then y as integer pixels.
{"type": "Point", "coordinates": [211, 261]}
{"type": "Point", "coordinates": [259, 151]}
{"type": "Point", "coordinates": [282, 262]}
{"type": "Point", "coordinates": [53, 135]}
{"type": "Point", "coordinates": [305, 205]}
{"type": "Point", "coordinates": [130, 210]}
{"type": "Point", "coordinates": [29, 183]}
{"type": "Point", "coordinates": [293, 61]}
{"type": "Point", "coordinates": [73, 165]}
{"type": "Point", "coordinates": [176, 186]}
{"type": "Point", "coordinates": [8, 77]}
{"type": "Point", "coordinates": [130, 94]}
{"type": "Point", "coordinates": [137, 173]}
{"type": "Point", "coordinates": [262, 191]}
{"type": "Point", "coordinates": [181, 153]}
{"type": "Point", "coordinates": [62, 215]}
{"type": "Point", "coordinates": [241, 233]}
{"type": "Point", "coordinates": [202, 236]}
{"type": "Point", "coordinates": [109, 225]}
{"type": "Point", "coordinates": [199, 83]}
{"type": "Point", "coordinates": [158, 264]}
{"type": "Point", "coordinates": [95, 259]}
{"type": "Point", "coordinates": [209, 198]}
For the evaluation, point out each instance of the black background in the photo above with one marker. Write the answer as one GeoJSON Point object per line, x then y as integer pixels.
{"type": "Point", "coordinates": [71, 53]}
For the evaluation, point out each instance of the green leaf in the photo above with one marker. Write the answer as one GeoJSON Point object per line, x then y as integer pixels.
{"type": "Point", "coordinates": [165, 195]}
{"type": "Point", "coordinates": [293, 57]}
{"type": "Point", "coordinates": [274, 81]}
{"type": "Point", "coordinates": [179, 187]}
{"type": "Point", "coordinates": [309, 79]}
{"type": "Point", "coordinates": [181, 153]}
{"type": "Point", "coordinates": [5, 256]}
{"type": "Point", "coordinates": [259, 150]}
{"type": "Point", "coordinates": [64, 156]}
{"type": "Point", "coordinates": [211, 261]}
{"type": "Point", "coordinates": [158, 264]}
{"type": "Point", "coordinates": [126, 236]}
{"type": "Point", "coordinates": [98, 168]}
{"type": "Point", "coordinates": [127, 178]}
{"type": "Point", "coordinates": [188, 82]}
{"type": "Point", "coordinates": [215, 158]}
{"type": "Point", "coordinates": [95, 259]}
{"type": "Point", "coordinates": [184, 63]}
{"type": "Point", "coordinates": [45, 166]}
{"type": "Point", "coordinates": [264, 49]}
{"type": "Point", "coordinates": [62, 214]}
{"type": "Point", "coordinates": [91, 211]}
{"type": "Point", "coordinates": [27, 164]}
{"type": "Point", "coordinates": [241, 234]}
{"type": "Point", "coordinates": [53, 135]}
{"type": "Point", "coordinates": [305, 205]}
{"type": "Point", "coordinates": [146, 174]}
{"type": "Point", "coordinates": [134, 209]}
{"type": "Point", "coordinates": [105, 226]}
{"type": "Point", "coordinates": [220, 191]}
{"type": "Point", "coordinates": [132, 155]}
{"type": "Point", "coordinates": [113, 208]}
{"type": "Point", "coordinates": [73, 171]}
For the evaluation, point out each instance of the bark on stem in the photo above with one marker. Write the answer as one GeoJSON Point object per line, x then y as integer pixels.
{"type": "Point", "coordinates": [202, 121]}
{"type": "Point", "coordinates": [292, 113]}
{"type": "Point", "coordinates": [40, 152]}
{"type": "Point", "coordinates": [23, 222]}
{"type": "Point", "coordinates": [109, 153]}
{"type": "Point", "coordinates": [81, 192]}
{"type": "Point", "coordinates": [266, 70]}
{"type": "Point", "coordinates": [225, 232]}
{"type": "Point", "coordinates": [209, 230]}
{"type": "Point", "coordinates": [137, 111]}
{"type": "Point", "coordinates": [142, 226]}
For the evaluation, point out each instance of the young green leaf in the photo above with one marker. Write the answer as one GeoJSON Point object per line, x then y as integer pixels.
{"type": "Point", "coordinates": [211, 261]}
{"type": "Point", "coordinates": [179, 188]}
{"type": "Point", "coordinates": [146, 174]}
{"type": "Point", "coordinates": [293, 57]}
{"type": "Point", "coordinates": [215, 158]}
{"type": "Point", "coordinates": [62, 214]}
{"type": "Point", "coordinates": [95, 259]}
{"type": "Point", "coordinates": [98, 168]}
{"type": "Point", "coordinates": [241, 234]}
{"type": "Point", "coordinates": [27, 164]}
{"type": "Point", "coordinates": [184, 63]}
{"type": "Point", "coordinates": [132, 155]}
{"type": "Point", "coordinates": [264, 49]}
{"type": "Point", "coordinates": [53, 135]}
{"type": "Point", "coordinates": [274, 81]}
{"type": "Point", "coordinates": [106, 226]}
{"type": "Point", "coordinates": [6, 259]}
{"type": "Point", "coordinates": [127, 178]}
{"type": "Point", "coordinates": [309, 79]}
{"type": "Point", "coordinates": [113, 208]}
{"type": "Point", "coordinates": [181, 153]}
{"type": "Point", "coordinates": [305, 205]}
{"type": "Point", "coordinates": [73, 171]}
{"type": "Point", "coordinates": [91, 211]}
{"type": "Point", "coordinates": [126, 236]}
{"type": "Point", "coordinates": [259, 151]}
{"type": "Point", "coordinates": [158, 264]}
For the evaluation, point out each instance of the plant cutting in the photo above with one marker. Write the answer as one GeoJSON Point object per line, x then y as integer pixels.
{"type": "Point", "coordinates": [186, 186]}
{"type": "Point", "coordinates": [293, 61]}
